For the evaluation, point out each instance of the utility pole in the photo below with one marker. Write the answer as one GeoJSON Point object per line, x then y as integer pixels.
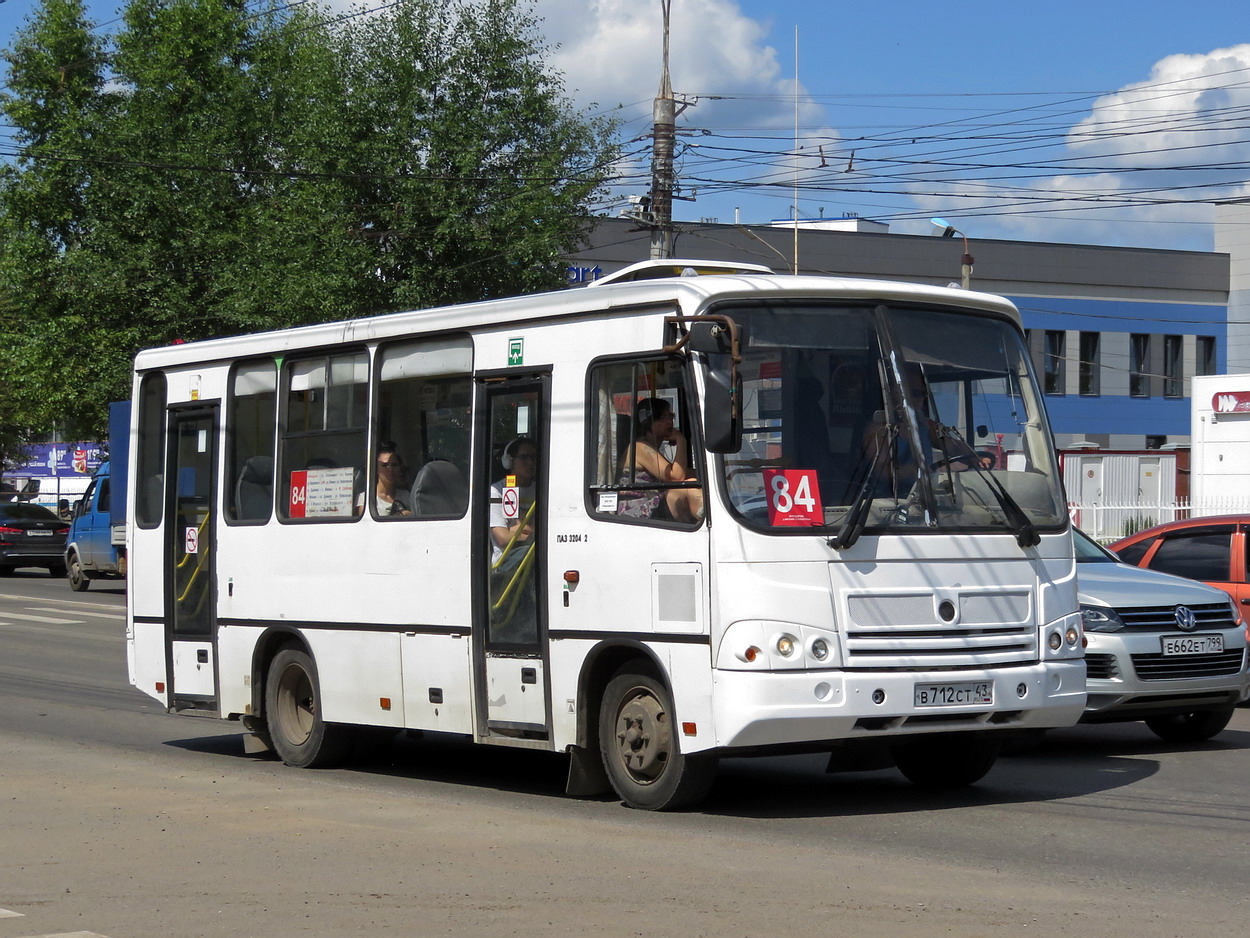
{"type": "Point", "coordinates": [663, 137]}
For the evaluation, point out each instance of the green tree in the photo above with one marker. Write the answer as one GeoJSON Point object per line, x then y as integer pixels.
{"type": "Point", "coordinates": [55, 98]}
{"type": "Point", "coordinates": [218, 168]}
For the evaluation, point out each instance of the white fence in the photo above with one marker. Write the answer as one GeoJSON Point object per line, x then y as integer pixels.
{"type": "Point", "coordinates": [1110, 522]}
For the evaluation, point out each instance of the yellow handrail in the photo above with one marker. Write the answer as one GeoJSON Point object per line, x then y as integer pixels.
{"type": "Point", "coordinates": [518, 575]}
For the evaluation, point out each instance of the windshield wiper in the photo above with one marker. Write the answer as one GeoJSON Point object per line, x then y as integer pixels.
{"type": "Point", "coordinates": [857, 515]}
{"type": "Point", "coordinates": [1017, 520]}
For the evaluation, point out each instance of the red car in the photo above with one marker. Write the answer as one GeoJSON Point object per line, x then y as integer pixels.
{"type": "Point", "coordinates": [1213, 550]}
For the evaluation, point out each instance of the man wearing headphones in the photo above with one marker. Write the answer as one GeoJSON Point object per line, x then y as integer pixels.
{"type": "Point", "coordinates": [520, 460]}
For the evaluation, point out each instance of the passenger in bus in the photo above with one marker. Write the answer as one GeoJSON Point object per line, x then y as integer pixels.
{"type": "Point", "coordinates": [387, 498]}
{"type": "Point", "coordinates": [520, 461]}
{"type": "Point", "coordinates": [647, 462]}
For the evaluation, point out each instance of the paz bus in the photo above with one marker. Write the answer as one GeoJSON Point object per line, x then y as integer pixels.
{"type": "Point", "coordinates": [443, 521]}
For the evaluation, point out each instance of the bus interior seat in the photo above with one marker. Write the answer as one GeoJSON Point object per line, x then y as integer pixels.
{"type": "Point", "coordinates": [440, 489]}
{"type": "Point", "coordinates": [253, 494]}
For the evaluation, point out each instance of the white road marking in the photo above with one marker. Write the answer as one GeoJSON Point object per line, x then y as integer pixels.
{"type": "Point", "coordinates": [119, 616]}
{"type": "Point", "coordinates": [26, 618]}
{"type": "Point", "coordinates": [59, 602]}
{"type": "Point", "coordinates": [5, 913]}
{"type": "Point", "coordinates": [68, 934]}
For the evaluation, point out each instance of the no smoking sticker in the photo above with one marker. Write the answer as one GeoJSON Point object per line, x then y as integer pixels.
{"type": "Point", "coordinates": [511, 503]}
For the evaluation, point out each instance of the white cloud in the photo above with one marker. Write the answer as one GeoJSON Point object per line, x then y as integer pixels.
{"type": "Point", "coordinates": [1190, 110]}
{"type": "Point", "coordinates": [1142, 168]}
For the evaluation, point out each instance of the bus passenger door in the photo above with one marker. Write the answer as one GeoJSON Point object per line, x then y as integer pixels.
{"type": "Point", "coordinates": [190, 580]}
{"type": "Point", "coordinates": [510, 508]}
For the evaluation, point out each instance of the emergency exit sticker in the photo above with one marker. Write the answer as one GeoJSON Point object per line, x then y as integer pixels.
{"type": "Point", "coordinates": [793, 498]}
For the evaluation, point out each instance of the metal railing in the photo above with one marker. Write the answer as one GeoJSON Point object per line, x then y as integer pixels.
{"type": "Point", "coordinates": [1109, 522]}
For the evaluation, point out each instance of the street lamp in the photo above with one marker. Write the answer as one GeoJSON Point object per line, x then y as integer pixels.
{"type": "Point", "coordinates": [947, 230]}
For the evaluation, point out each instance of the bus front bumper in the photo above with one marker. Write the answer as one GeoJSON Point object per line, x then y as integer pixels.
{"type": "Point", "coordinates": [756, 708]}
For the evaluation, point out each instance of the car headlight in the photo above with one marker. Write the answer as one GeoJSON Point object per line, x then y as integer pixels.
{"type": "Point", "coordinates": [1236, 610]}
{"type": "Point", "coordinates": [1101, 619]}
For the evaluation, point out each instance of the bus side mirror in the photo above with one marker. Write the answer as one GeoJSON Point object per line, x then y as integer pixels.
{"type": "Point", "coordinates": [722, 407]}
{"type": "Point", "coordinates": [719, 339]}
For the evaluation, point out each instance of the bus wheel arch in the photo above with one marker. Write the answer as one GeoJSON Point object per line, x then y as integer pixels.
{"type": "Point", "coordinates": [640, 744]}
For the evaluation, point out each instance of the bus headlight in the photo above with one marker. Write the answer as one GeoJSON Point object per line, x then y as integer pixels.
{"type": "Point", "coordinates": [785, 645]}
{"type": "Point", "coordinates": [820, 649]}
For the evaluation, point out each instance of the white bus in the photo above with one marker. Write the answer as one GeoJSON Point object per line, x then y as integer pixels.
{"type": "Point", "coordinates": [544, 570]}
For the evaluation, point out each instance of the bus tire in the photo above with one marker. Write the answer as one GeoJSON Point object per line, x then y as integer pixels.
{"type": "Point", "coordinates": [78, 581]}
{"type": "Point", "coordinates": [640, 749]}
{"type": "Point", "coordinates": [299, 735]}
{"type": "Point", "coordinates": [947, 761]}
{"type": "Point", "coordinates": [1190, 727]}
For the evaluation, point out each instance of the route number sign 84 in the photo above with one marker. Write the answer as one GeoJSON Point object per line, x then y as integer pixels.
{"type": "Point", "coordinates": [793, 497]}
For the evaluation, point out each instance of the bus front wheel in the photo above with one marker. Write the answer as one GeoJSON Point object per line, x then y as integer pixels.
{"type": "Point", "coordinates": [640, 748]}
{"type": "Point", "coordinates": [293, 711]}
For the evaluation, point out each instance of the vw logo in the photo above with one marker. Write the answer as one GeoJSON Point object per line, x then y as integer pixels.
{"type": "Point", "coordinates": [1185, 619]}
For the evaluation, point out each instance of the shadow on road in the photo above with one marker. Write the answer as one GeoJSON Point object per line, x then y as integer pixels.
{"type": "Point", "coordinates": [1066, 764]}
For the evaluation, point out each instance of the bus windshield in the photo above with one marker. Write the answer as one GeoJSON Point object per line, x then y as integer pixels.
{"type": "Point", "coordinates": [889, 418]}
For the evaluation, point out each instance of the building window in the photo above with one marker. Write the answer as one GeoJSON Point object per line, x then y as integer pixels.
{"type": "Point", "coordinates": [1139, 364]}
{"type": "Point", "coordinates": [1052, 362]}
{"type": "Point", "coordinates": [1205, 364]}
{"type": "Point", "coordinates": [1090, 365]}
{"type": "Point", "coordinates": [1173, 366]}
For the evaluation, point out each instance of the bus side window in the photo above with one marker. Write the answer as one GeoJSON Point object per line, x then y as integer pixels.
{"type": "Point", "coordinates": [642, 468]}
{"type": "Point", "coordinates": [150, 467]}
{"type": "Point", "coordinates": [252, 417]}
{"type": "Point", "coordinates": [425, 390]}
{"type": "Point", "coordinates": [321, 463]}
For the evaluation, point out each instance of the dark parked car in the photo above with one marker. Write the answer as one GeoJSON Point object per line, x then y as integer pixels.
{"type": "Point", "coordinates": [31, 536]}
{"type": "Point", "coordinates": [1212, 550]}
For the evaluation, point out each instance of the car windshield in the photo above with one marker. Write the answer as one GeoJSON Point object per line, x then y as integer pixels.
{"type": "Point", "coordinates": [838, 400]}
{"type": "Point", "coordinates": [1090, 551]}
{"type": "Point", "coordinates": [26, 513]}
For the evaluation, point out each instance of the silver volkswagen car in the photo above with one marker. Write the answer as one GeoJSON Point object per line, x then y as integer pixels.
{"type": "Point", "coordinates": [1162, 649]}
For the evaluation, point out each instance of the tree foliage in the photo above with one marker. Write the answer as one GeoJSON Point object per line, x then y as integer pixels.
{"type": "Point", "coordinates": [212, 168]}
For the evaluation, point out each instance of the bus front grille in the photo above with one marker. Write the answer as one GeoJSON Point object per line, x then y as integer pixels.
{"type": "Point", "coordinates": [908, 632]}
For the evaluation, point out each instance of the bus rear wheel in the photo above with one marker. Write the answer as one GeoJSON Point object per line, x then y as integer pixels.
{"type": "Point", "coordinates": [299, 735]}
{"type": "Point", "coordinates": [640, 748]}
{"type": "Point", "coordinates": [947, 761]}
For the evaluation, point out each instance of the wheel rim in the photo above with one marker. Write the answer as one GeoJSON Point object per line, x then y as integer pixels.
{"type": "Point", "coordinates": [297, 708]}
{"type": "Point", "coordinates": [75, 571]}
{"type": "Point", "coordinates": [644, 737]}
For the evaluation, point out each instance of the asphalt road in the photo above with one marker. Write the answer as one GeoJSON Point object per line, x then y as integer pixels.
{"type": "Point", "coordinates": [119, 820]}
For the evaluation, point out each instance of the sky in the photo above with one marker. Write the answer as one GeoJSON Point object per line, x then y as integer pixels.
{"type": "Point", "coordinates": [1117, 122]}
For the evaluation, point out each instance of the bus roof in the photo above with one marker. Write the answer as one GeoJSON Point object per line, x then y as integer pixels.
{"type": "Point", "coordinates": [690, 294]}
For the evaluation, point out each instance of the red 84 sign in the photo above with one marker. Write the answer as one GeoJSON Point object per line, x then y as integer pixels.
{"type": "Point", "coordinates": [793, 498]}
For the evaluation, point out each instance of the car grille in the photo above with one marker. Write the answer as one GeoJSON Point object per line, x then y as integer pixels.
{"type": "Point", "coordinates": [904, 633]}
{"type": "Point", "coordinates": [1101, 667]}
{"type": "Point", "coordinates": [1173, 667]}
{"type": "Point", "coordinates": [1163, 618]}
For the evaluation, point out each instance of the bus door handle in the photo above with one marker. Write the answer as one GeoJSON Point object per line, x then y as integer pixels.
{"type": "Point", "coordinates": [529, 675]}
